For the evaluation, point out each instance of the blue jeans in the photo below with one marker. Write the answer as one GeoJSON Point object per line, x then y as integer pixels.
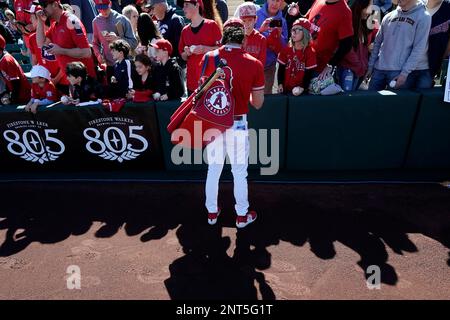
{"type": "Point", "coordinates": [418, 79]}
{"type": "Point", "coordinates": [341, 77]}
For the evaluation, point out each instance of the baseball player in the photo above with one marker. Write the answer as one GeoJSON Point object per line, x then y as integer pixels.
{"type": "Point", "coordinates": [247, 86]}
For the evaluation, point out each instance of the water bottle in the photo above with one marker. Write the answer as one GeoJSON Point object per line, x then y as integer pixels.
{"type": "Point", "coordinates": [347, 83]}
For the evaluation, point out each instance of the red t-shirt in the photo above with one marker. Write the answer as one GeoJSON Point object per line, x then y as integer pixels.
{"type": "Point", "coordinates": [11, 71]}
{"type": "Point", "coordinates": [208, 35]}
{"type": "Point", "coordinates": [332, 22]}
{"type": "Point", "coordinates": [51, 66]}
{"type": "Point", "coordinates": [47, 92]}
{"type": "Point", "coordinates": [296, 62]}
{"type": "Point", "coordinates": [19, 6]}
{"type": "Point", "coordinates": [256, 45]}
{"type": "Point", "coordinates": [70, 33]}
{"type": "Point", "coordinates": [248, 75]}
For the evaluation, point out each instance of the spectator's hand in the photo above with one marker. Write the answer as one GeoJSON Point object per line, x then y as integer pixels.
{"type": "Point", "coordinates": [294, 9]}
{"type": "Point", "coordinates": [55, 49]}
{"type": "Point", "coordinates": [141, 49]}
{"type": "Point", "coordinates": [28, 107]}
{"type": "Point", "coordinates": [164, 97]}
{"type": "Point", "coordinates": [371, 47]}
{"type": "Point", "coordinates": [280, 88]}
{"type": "Point", "coordinates": [41, 14]}
{"type": "Point", "coordinates": [130, 94]}
{"type": "Point", "coordinates": [187, 51]}
{"type": "Point", "coordinates": [111, 37]}
{"type": "Point", "coordinates": [265, 26]}
{"type": "Point", "coordinates": [400, 79]}
{"type": "Point", "coordinates": [113, 79]}
{"type": "Point", "coordinates": [325, 73]}
{"type": "Point", "coordinates": [33, 107]}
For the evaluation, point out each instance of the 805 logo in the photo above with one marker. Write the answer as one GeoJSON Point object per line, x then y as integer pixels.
{"type": "Point", "coordinates": [31, 146]}
{"type": "Point", "coordinates": [114, 144]}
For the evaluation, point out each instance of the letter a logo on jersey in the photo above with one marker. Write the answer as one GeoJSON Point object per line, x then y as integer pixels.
{"type": "Point", "coordinates": [218, 101]}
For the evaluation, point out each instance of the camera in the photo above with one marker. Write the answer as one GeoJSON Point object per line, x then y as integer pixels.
{"type": "Point", "coordinates": [275, 23]}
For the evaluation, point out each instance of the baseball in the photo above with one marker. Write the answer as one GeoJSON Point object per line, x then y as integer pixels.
{"type": "Point", "coordinates": [392, 84]}
{"type": "Point", "coordinates": [156, 96]}
{"type": "Point", "coordinates": [65, 99]}
{"type": "Point", "coordinates": [297, 91]}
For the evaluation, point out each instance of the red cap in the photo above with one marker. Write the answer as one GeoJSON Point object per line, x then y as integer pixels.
{"type": "Point", "coordinates": [199, 2]}
{"type": "Point", "coordinates": [163, 44]}
{"type": "Point", "coordinates": [304, 23]}
{"type": "Point", "coordinates": [233, 22]}
{"type": "Point", "coordinates": [102, 4]}
{"type": "Point", "coordinates": [2, 42]}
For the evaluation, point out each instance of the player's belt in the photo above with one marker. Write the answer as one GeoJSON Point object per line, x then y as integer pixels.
{"type": "Point", "coordinates": [239, 118]}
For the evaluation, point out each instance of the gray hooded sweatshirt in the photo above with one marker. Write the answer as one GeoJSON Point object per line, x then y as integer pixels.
{"type": "Point", "coordinates": [402, 41]}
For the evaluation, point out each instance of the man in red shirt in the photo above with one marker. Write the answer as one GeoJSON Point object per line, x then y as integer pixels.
{"type": "Point", "coordinates": [197, 38]}
{"type": "Point", "coordinates": [254, 42]}
{"type": "Point", "coordinates": [332, 33]}
{"type": "Point", "coordinates": [247, 86]}
{"type": "Point", "coordinates": [48, 61]}
{"type": "Point", "coordinates": [66, 37]}
{"type": "Point", "coordinates": [16, 83]}
{"type": "Point", "coordinates": [25, 26]}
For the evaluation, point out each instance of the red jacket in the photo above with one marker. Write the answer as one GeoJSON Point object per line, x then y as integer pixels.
{"type": "Point", "coordinates": [357, 59]}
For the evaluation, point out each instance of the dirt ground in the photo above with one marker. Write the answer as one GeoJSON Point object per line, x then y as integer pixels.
{"type": "Point", "coordinates": [152, 241]}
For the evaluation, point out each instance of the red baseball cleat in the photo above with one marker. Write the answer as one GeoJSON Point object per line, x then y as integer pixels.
{"type": "Point", "coordinates": [212, 217]}
{"type": "Point", "coordinates": [243, 221]}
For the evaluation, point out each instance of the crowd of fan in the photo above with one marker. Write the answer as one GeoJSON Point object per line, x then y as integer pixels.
{"type": "Point", "coordinates": [143, 50]}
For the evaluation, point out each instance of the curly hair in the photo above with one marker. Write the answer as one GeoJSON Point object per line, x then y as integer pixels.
{"type": "Point", "coordinates": [233, 35]}
{"type": "Point", "coordinates": [121, 46]}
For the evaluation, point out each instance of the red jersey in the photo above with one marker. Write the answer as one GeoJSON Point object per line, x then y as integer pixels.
{"type": "Point", "coordinates": [256, 45]}
{"type": "Point", "coordinates": [47, 92]}
{"type": "Point", "coordinates": [51, 66]}
{"type": "Point", "coordinates": [296, 62]}
{"type": "Point", "coordinates": [11, 71]}
{"type": "Point", "coordinates": [208, 35]}
{"type": "Point", "coordinates": [332, 22]}
{"type": "Point", "coordinates": [248, 75]}
{"type": "Point", "coordinates": [19, 6]}
{"type": "Point", "coordinates": [70, 33]}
